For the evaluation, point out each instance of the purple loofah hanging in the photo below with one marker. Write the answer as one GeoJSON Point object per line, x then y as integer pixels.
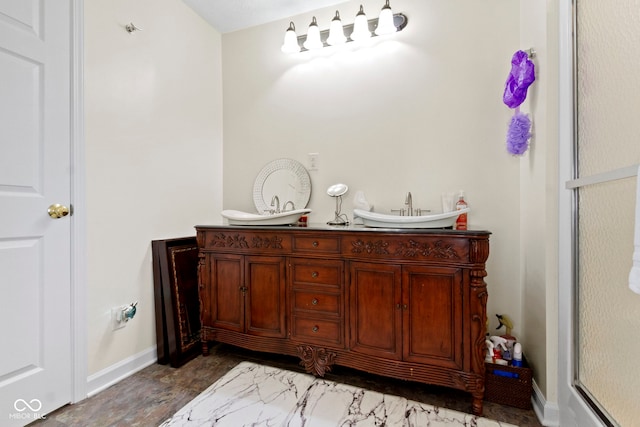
{"type": "Point", "coordinates": [520, 78]}
{"type": "Point", "coordinates": [519, 134]}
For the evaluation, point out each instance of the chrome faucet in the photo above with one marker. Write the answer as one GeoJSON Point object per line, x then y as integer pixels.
{"type": "Point", "coordinates": [409, 210]}
{"type": "Point", "coordinates": [275, 201]}
{"type": "Point", "coordinates": [409, 202]}
{"type": "Point", "coordinates": [284, 208]}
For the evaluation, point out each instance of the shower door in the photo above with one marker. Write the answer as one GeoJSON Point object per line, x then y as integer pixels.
{"type": "Point", "coordinates": [606, 312]}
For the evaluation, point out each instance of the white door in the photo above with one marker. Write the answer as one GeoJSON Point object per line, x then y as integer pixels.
{"type": "Point", "coordinates": [35, 138]}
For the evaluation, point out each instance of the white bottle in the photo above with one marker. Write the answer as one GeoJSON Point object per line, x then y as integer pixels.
{"type": "Point", "coordinates": [517, 355]}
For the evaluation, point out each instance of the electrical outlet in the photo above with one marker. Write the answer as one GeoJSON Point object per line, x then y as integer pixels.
{"type": "Point", "coordinates": [121, 315]}
{"type": "Point", "coordinates": [313, 161]}
{"type": "Point", "coordinates": [118, 319]}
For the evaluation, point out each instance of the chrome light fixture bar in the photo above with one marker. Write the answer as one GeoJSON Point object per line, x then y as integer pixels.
{"type": "Point", "coordinates": [362, 29]}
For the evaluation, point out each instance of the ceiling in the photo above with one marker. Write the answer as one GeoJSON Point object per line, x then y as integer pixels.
{"type": "Point", "coordinates": [232, 15]}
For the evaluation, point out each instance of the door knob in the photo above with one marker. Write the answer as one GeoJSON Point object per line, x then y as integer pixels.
{"type": "Point", "coordinates": [56, 211]}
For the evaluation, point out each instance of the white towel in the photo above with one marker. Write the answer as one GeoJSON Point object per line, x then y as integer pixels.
{"type": "Point", "coordinates": [634, 274]}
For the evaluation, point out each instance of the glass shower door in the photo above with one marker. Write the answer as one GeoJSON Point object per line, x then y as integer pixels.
{"type": "Point", "coordinates": [607, 312]}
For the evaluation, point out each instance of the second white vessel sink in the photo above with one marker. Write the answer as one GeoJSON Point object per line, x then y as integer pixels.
{"type": "Point", "coordinates": [245, 218]}
{"type": "Point", "coordinates": [376, 219]}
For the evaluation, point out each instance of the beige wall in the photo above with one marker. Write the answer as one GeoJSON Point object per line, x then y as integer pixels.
{"type": "Point", "coordinates": [419, 112]}
{"type": "Point", "coordinates": [539, 198]}
{"type": "Point", "coordinates": [153, 154]}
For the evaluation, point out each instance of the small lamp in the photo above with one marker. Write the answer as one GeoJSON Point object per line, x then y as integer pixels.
{"type": "Point", "coordinates": [336, 32]}
{"type": "Point", "coordinates": [290, 44]}
{"type": "Point", "coordinates": [313, 36]}
{"type": "Point", "coordinates": [360, 27]}
{"type": "Point", "coordinates": [385, 21]}
{"type": "Point", "coordinates": [337, 191]}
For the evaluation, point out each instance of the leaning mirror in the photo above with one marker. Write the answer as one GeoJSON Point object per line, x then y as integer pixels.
{"type": "Point", "coordinates": [285, 178]}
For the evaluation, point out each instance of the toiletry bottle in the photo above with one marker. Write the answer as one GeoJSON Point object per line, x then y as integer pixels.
{"type": "Point", "coordinates": [461, 221]}
{"type": "Point", "coordinates": [517, 355]}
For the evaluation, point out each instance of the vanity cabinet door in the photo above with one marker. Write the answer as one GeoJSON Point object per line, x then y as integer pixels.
{"type": "Point", "coordinates": [245, 294]}
{"type": "Point", "coordinates": [433, 318]}
{"type": "Point", "coordinates": [376, 309]}
{"type": "Point", "coordinates": [222, 300]}
{"type": "Point", "coordinates": [265, 296]}
{"type": "Point", "coordinates": [410, 313]}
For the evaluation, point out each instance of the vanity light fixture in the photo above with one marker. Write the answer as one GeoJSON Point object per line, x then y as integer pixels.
{"type": "Point", "coordinates": [313, 40]}
{"type": "Point", "coordinates": [361, 29]}
{"type": "Point", "coordinates": [385, 21]}
{"type": "Point", "coordinates": [290, 44]}
{"type": "Point", "coordinates": [336, 32]}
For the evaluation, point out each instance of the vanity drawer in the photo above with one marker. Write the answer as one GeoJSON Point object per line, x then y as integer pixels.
{"type": "Point", "coordinates": [319, 331]}
{"type": "Point", "coordinates": [316, 302]}
{"type": "Point", "coordinates": [316, 244]}
{"type": "Point", "coordinates": [317, 272]}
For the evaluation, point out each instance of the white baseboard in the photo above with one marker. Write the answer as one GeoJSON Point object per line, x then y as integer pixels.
{"type": "Point", "coordinates": [109, 376]}
{"type": "Point", "coordinates": [548, 413]}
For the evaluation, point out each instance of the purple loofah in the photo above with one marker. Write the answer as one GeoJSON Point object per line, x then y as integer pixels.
{"type": "Point", "coordinates": [518, 134]}
{"type": "Point", "coordinates": [520, 78]}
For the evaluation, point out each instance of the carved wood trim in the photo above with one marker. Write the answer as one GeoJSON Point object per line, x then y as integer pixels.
{"type": "Point", "coordinates": [471, 382]}
{"type": "Point", "coordinates": [408, 249]}
{"type": "Point", "coordinates": [221, 240]}
{"type": "Point", "coordinates": [413, 249]}
{"type": "Point", "coordinates": [479, 251]}
{"type": "Point", "coordinates": [378, 247]}
{"type": "Point", "coordinates": [478, 329]}
{"type": "Point", "coordinates": [316, 360]}
{"type": "Point", "coordinates": [201, 285]}
{"type": "Point", "coordinates": [274, 242]}
{"type": "Point", "coordinates": [474, 384]}
{"type": "Point", "coordinates": [239, 241]}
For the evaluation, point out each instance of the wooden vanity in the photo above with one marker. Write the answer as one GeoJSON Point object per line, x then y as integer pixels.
{"type": "Point", "coordinates": [408, 304]}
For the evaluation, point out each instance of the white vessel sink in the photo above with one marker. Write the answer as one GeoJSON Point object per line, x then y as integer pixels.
{"type": "Point", "coordinates": [246, 218]}
{"type": "Point", "coordinates": [376, 219]}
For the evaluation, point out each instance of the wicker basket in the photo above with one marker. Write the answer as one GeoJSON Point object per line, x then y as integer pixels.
{"type": "Point", "coordinates": [509, 385]}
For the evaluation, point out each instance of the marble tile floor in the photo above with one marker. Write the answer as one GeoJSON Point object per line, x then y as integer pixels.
{"type": "Point", "coordinates": [156, 393]}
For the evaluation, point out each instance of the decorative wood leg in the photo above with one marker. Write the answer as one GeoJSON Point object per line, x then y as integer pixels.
{"type": "Point", "coordinates": [472, 383]}
{"type": "Point", "coordinates": [478, 303]}
{"type": "Point", "coordinates": [205, 348]}
{"type": "Point", "coordinates": [316, 361]}
{"type": "Point", "coordinates": [477, 403]}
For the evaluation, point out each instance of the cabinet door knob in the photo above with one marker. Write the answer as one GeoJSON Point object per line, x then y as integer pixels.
{"type": "Point", "coordinates": [316, 328]}
{"type": "Point", "coordinates": [314, 274]}
{"type": "Point", "coordinates": [315, 244]}
{"type": "Point", "coordinates": [314, 301]}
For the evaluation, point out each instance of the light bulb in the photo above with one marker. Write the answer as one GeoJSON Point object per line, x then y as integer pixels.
{"type": "Point", "coordinates": [336, 31]}
{"type": "Point", "coordinates": [290, 44]}
{"type": "Point", "coordinates": [360, 27]}
{"type": "Point", "coordinates": [313, 40]}
{"type": "Point", "coordinates": [385, 21]}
